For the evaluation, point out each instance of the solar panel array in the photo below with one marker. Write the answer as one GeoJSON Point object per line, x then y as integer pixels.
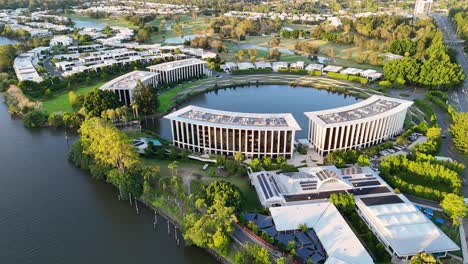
{"type": "Point", "coordinates": [325, 174]}
{"type": "Point", "coordinates": [351, 171]}
{"type": "Point", "coordinates": [266, 186]}
{"type": "Point", "coordinates": [308, 185]}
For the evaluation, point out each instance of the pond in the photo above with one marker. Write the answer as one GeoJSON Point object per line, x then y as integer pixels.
{"type": "Point", "coordinates": [181, 40]}
{"type": "Point", "coordinates": [265, 99]}
{"type": "Point", "coordinates": [6, 41]}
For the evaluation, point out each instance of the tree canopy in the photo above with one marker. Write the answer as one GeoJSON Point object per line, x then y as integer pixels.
{"type": "Point", "coordinates": [454, 206]}
{"type": "Point", "coordinates": [98, 100]}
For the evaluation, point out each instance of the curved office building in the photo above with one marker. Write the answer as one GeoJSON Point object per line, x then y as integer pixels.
{"type": "Point", "coordinates": [225, 133]}
{"type": "Point", "coordinates": [357, 126]}
{"type": "Point", "coordinates": [180, 70]}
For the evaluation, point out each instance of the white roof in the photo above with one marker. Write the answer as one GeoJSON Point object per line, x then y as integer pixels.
{"type": "Point", "coordinates": [332, 68]}
{"type": "Point", "coordinates": [212, 117]}
{"type": "Point", "coordinates": [314, 66]}
{"type": "Point", "coordinates": [128, 81]}
{"type": "Point", "coordinates": [168, 66]}
{"type": "Point", "coordinates": [375, 106]}
{"type": "Point", "coordinates": [337, 238]}
{"type": "Point", "coordinates": [405, 228]}
{"type": "Point", "coordinates": [262, 64]}
{"type": "Point", "coordinates": [245, 65]}
{"type": "Point", "coordinates": [351, 71]}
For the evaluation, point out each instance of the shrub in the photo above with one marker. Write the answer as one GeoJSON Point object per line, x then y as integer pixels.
{"type": "Point", "coordinates": [35, 118]}
{"type": "Point", "coordinates": [337, 75]}
{"type": "Point", "coordinates": [315, 73]}
{"type": "Point", "coordinates": [385, 84]}
{"type": "Point", "coordinates": [361, 80]}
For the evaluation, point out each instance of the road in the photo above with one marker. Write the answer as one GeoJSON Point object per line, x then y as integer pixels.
{"type": "Point", "coordinates": [460, 98]}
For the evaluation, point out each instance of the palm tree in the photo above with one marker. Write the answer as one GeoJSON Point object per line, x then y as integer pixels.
{"type": "Point", "coordinates": [173, 166]}
{"type": "Point", "coordinates": [134, 106]}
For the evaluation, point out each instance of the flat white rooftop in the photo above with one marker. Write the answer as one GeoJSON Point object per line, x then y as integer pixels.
{"type": "Point", "coordinates": [167, 66]}
{"type": "Point", "coordinates": [403, 226]}
{"type": "Point", "coordinates": [373, 106]}
{"type": "Point", "coordinates": [211, 117]}
{"type": "Point", "coordinates": [337, 238]}
{"type": "Point", "coordinates": [128, 81]}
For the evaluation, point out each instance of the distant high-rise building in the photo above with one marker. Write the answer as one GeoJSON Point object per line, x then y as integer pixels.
{"type": "Point", "coordinates": [422, 8]}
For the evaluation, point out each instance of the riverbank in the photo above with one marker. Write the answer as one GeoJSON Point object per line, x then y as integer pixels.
{"type": "Point", "coordinates": [176, 223]}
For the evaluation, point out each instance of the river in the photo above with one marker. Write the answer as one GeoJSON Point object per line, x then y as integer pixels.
{"type": "Point", "coordinates": [265, 99]}
{"type": "Point", "coordinates": [51, 212]}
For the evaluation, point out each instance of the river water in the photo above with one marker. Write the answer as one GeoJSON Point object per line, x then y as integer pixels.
{"type": "Point", "coordinates": [51, 212]}
{"type": "Point", "coordinates": [265, 99]}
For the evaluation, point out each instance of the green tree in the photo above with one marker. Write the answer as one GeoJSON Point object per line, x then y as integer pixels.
{"type": "Point", "coordinates": [142, 35]}
{"type": "Point", "coordinates": [35, 118]}
{"type": "Point", "coordinates": [177, 28]}
{"type": "Point", "coordinates": [223, 192]}
{"type": "Point", "coordinates": [459, 130]}
{"type": "Point", "coordinates": [108, 145]}
{"type": "Point", "coordinates": [173, 167]}
{"type": "Point", "coordinates": [146, 98]}
{"type": "Point", "coordinates": [97, 101]}
{"type": "Point", "coordinates": [238, 156]}
{"type": "Point", "coordinates": [454, 206]}
{"type": "Point", "coordinates": [424, 258]}
{"type": "Point", "coordinates": [363, 160]}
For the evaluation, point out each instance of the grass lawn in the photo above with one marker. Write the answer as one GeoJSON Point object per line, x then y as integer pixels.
{"type": "Point", "coordinates": [189, 25]}
{"type": "Point", "coordinates": [420, 181]}
{"type": "Point", "coordinates": [251, 202]}
{"type": "Point", "coordinates": [166, 97]}
{"type": "Point", "coordinates": [60, 102]}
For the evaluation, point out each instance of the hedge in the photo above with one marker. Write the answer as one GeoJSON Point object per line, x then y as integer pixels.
{"type": "Point", "coordinates": [250, 71]}
{"type": "Point", "coordinates": [337, 75]}
{"type": "Point", "coordinates": [315, 72]}
{"type": "Point", "coordinates": [362, 80]}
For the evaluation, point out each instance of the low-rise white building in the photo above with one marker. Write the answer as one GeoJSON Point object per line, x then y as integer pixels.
{"type": "Point", "coordinates": [298, 65]}
{"type": "Point", "coordinates": [245, 66]}
{"type": "Point", "coordinates": [280, 65]}
{"type": "Point", "coordinates": [402, 228]}
{"type": "Point", "coordinates": [61, 40]}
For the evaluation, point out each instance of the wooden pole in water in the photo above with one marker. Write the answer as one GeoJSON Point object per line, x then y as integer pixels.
{"type": "Point", "coordinates": [130, 198]}
{"type": "Point", "coordinates": [168, 228]}
{"type": "Point", "coordinates": [136, 206]}
{"type": "Point", "coordinates": [155, 222]}
{"type": "Point", "coordinates": [175, 232]}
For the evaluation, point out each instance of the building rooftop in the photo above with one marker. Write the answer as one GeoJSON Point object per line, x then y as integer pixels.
{"type": "Point", "coordinates": [403, 226]}
{"type": "Point", "coordinates": [312, 183]}
{"type": "Point", "coordinates": [210, 117]}
{"type": "Point", "coordinates": [337, 238]}
{"type": "Point", "coordinates": [167, 66]}
{"type": "Point", "coordinates": [128, 81]}
{"type": "Point", "coordinates": [374, 105]}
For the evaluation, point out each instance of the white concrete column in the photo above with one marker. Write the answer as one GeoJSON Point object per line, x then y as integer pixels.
{"type": "Point", "coordinates": [271, 143]}
{"type": "Point", "coordinates": [246, 139]}
{"type": "Point", "coordinates": [285, 140]}
{"type": "Point", "coordinates": [209, 139]}
{"type": "Point", "coordinates": [330, 138]}
{"type": "Point", "coordinates": [172, 132]}
{"type": "Point", "coordinates": [293, 137]}
{"type": "Point", "coordinates": [348, 132]}
{"type": "Point", "coordinates": [215, 131]}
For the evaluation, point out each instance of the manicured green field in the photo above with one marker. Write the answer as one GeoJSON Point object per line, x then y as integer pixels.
{"type": "Point", "coordinates": [60, 102]}
{"type": "Point", "coordinates": [189, 25]}
{"type": "Point", "coordinates": [166, 97]}
{"type": "Point", "coordinates": [113, 21]}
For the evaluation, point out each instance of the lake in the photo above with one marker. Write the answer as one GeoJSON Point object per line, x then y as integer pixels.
{"type": "Point", "coordinates": [52, 212]}
{"type": "Point", "coordinates": [265, 99]}
{"type": "Point", "coordinates": [6, 41]}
